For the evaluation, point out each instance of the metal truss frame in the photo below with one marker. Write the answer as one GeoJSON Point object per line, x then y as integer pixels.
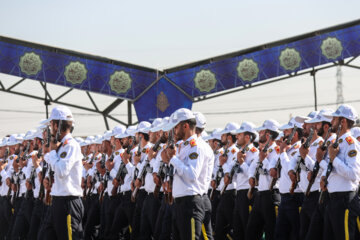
{"type": "Point", "coordinates": [48, 100]}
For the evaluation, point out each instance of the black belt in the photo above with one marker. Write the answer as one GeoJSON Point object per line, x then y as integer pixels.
{"type": "Point", "coordinates": [181, 199]}
{"type": "Point", "coordinates": [335, 195]}
{"type": "Point", "coordinates": [65, 197]}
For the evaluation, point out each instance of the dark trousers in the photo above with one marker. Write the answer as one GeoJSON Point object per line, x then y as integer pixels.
{"type": "Point", "coordinates": [317, 220]}
{"type": "Point", "coordinates": [206, 229]}
{"type": "Point", "coordinates": [241, 213]}
{"type": "Point", "coordinates": [36, 220]}
{"type": "Point", "coordinates": [288, 220]}
{"type": "Point", "coordinates": [149, 215]}
{"type": "Point", "coordinates": [63, 219]}
{"type": "Point", "coordinates": [136, 221]}
{"type": "Point", "coordinates": [214, 204]}
{"type": "Point", "coordinates": [15, 210]}
{"type": "Point", "coordinates": [263, 215]}
{"type": "Point", "coordinates": [5, 216]}
{"type": "Point", "coordinates": [187, 218]}
{"type": "Point", "coordinates": [340, 219]}
{"type": "Point", "coordinates": [163, 221]}
{"type": "Point", "coordinates": [93, 217]}
{"type": "Point", "coordinates": [108, 211]}
{"type": "Point", "coordinates": [224, 214]}
{"type": "Point", "coordinates": [22, 220]}
{"type": "Point", "coordinates": [122, 217]}
{"type": "Point", "coordinates": [307, 210]}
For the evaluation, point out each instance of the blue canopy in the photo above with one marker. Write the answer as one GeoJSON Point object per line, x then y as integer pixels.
{"type": "Point", "coordinates": [158, 93]}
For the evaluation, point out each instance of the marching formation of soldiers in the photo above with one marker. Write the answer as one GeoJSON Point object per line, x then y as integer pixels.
{"type": "Point", "coordinates": [170, 180]}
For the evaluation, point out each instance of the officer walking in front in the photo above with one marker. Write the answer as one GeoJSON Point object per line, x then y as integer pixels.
{"type": "Point", "coordinates": [63, 219]}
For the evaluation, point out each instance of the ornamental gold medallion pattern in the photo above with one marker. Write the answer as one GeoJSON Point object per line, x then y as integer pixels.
{"type": "Point", "coordinates": [30, 63]}
{"type": "Point", "coordinates": [75, 72]}
{"type": "Point", "coordinates": [120, 82]}
{"type": "Point", "coordinates": [290, 59]}
{"type": "Point", "coordinates": [205, 80]}
{"type": "Point", "coordinates": [331, 48]}
{"type": "Point", "coordinates": [248, 69]}
{"type": "Point", "coordinates": [162, 102]}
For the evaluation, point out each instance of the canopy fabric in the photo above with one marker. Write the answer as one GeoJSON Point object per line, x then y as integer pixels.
{"type": "Point", "coordinates": [158, 93]}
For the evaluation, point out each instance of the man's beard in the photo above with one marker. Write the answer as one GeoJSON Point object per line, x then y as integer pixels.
{"type": "Point", "coordinates": [321, 131]}
{"type": "Point", "coordinates": [262, 140]}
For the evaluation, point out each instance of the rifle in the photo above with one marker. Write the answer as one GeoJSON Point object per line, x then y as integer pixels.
{"type": "Point", "coordinates": [24, 156]}
{"type": "Point", "coordinates": [142, 179]}
{"type": "Point", "coordinates": [330, 166]}
{"type": "Point", "coordinates": [278, 166]}
{"type": "Point", "coordinates": [156, 146]}
{"type": "Point", "coordinates": [161, 174]}
{"type": "Point", "coordinates": [85, 181]}
{"type": "Point", "coordinates": [257, 171]}
{"type": "Point", "coordinates": [105, 182]}
{"type": "Point", "coordinates": [112, 154]}
{"type": "Point", "coordinates": [138, 153]}
{"type": "Point", "coordinates": [170, 172]}
{"type": "Point", "coordinates": [93, 181]}
{"type": "Point", "coordinates": [235, 169]}
{"type": "Point", "coordinates": [43, 174]}
{"type": "Point", "coordinates": [48, 136]}
{"type": "Point", "coordinates": [40, 152]}
{"type": "Point", "coordinates": [120, 176]}
{"type": "Point", "coordinates": [218, 176]}
{"type": "Point", "coordinates": [297, 169]}
{"type": "Point", "coordinates": [51, 180]}
{"type": "Point", "coordinates": [316, 168]}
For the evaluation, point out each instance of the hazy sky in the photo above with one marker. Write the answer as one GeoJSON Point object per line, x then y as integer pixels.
{"type": "Point", "coordinates": [163, 34]}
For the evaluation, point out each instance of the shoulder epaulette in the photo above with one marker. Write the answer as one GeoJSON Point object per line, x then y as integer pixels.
{"type": "Point", "coordinates": [349, 140]}
{"type": "Point", "coordinates": [192, 143]}
{"type": "Point", "coordinates": [277, 148]}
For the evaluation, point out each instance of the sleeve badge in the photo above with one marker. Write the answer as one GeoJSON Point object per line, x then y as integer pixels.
{"type": "Point", "coordinates": [293, 153]}
{"type": "Point", "coordinates": [63, 155]}
{"type": "Point", "coordinates": [340, 140]}
{"type": "Point", "coordinates": [193, 156]}
{"type": "Point", "coordinates": [352, 153]}
{"type": "Point", "coordinates": [116, 153]}
{"type": "Point", "coordinates": [186, 143]}
{"type": "Point", "coordinates": [270, 150]}
{"type": "Point", "coordinates": [144, 150]}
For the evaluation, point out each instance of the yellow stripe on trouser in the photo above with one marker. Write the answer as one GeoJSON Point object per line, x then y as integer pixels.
{"type": "Point", "coordinates": [358, 223]}
{"type": "Point", "coordinates": [346, 224]}
{"type": "Point", "coordinates": [276, 211]}
{"type": "Point", "coordinates": [204, 232]}
{"type": "Point", "coordinates": [192, 228]}
{"type": "Point", "coordinates": [69, 226]}
{"type": "Point", "coordinates": [250, 208]}
{"type": "Point", "coordinates": [299, 209]}
{"type": "Point", "coordinates": [130, 229]}
{"type": "Point", "coordinates": [229, 237]}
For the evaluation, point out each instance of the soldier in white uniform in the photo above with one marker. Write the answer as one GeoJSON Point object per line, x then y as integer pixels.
{"type": "Point", "coordinates": [343, 181]}
{"type": "Point", "coordinates": [64, 216]}
{"type": "Point", "coordinates": [288, 220]}
{"type": "Point", "coordinates": [263, 214]}
{"type": "Point", "coordinates": [208, 168]}
{"type": "Point", "coordinates": [245, 135]}
{"type": "Point", "coordinates": [187, 189]}
{"type": "Point", "coordinates": [224, 212]}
